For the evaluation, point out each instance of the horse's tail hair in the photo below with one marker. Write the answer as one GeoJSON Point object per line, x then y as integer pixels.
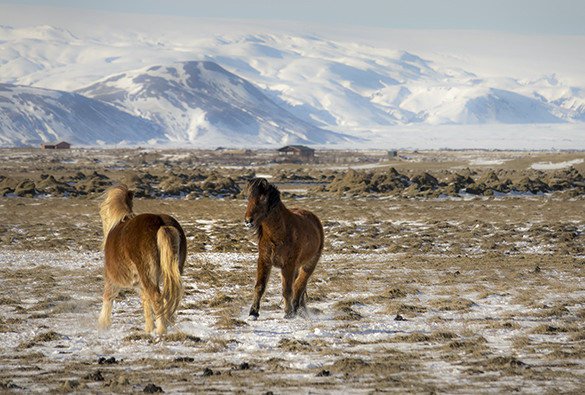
{"type": "Point", "coordinates": [116, 206]}
{"type": "Point", "coordinates": [169, 245]}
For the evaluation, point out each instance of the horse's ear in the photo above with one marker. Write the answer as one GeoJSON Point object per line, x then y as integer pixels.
{"type": "Point", "coordinates": [131, 194]}
{"type": "Point", "coordinates": [264, 183]}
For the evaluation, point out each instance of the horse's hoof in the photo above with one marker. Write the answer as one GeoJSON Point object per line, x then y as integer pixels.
{"type": "Point", "coordinates": [103, 326]}
{"type": "Point", "coordinates": [252, 317]}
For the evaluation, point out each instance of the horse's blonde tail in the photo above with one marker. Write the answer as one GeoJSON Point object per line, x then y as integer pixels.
{"type": "Point", "coordinates": [169, 245]}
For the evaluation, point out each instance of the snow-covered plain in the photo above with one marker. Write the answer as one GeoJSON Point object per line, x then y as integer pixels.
{"type": "Point", "coordinates": [304, 354]}
{"type": "Point", "coordinates": [390, 88]}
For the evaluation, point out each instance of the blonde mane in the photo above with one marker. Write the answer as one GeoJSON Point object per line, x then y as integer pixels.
{"type": "Point", "coordinates": [116, 207]}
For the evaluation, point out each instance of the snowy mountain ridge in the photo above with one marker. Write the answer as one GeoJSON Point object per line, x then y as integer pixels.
{"type": "Point", "coordinates": [202, 103]}
{"type": "Point", "coordinates": [319, 84]}
{"type": "Point", "coordinates": [30, 116]}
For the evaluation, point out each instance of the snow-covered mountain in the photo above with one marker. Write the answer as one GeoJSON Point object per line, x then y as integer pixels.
{"type": "Point", "coordinates": [203, 104]}
{"type": "Point", "coordinates": [209, 83]}
{"type": "Point", "coordinates": [30, 116]}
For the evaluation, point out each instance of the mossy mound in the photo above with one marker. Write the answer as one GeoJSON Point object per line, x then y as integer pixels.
{"type": "Point", "coordinates": [528, 185]}
{"type": "Point", "coordinates": [293, 176]}
{"type": "Point", "coordinates": [8, 185]}
{"type": "Point", "coordinates": [174, 185]}
{"type": "Point", "coordinates": [220, 186]}
{"type": "Point", "coordinates": [424, 181]}
{"type": "Point", "coordinates": [26, 189]}
{"type": "Point", "coordinates": [95, 183]}
{"type": "Point", "coordinates": [352, 182]}
{"type": "Point", "coordinates": [50, 186]}
{"type": "Point", "coordinates": [140, 184]}
{"type": "Point", "coordinates": [390, 181]}
{"type": "Point", "coordinates": [455, 183]}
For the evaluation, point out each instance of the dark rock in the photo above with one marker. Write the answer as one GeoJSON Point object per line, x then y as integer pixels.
{"type": "Point", "coordinates": [153, 389]}
{"type": "Point", "coordinates": [97, 376]}
{"type": "Point", "coordinates": [107, 361]}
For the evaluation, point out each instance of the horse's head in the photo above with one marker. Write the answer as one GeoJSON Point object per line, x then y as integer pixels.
{"type": "Point", "coordinates": [262, 199]}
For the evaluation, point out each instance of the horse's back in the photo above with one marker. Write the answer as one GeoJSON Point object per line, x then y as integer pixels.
{"type": "Point", "coordinates": [151, 223]}
{"type": "Point", "coordinates": [137, 237]}
{"type": "Point", "coordinates": [143, 227]}
{"type": "Point", "coordinates": [310, 227]}
{"type": "Point", "coordinates": [308, 217]}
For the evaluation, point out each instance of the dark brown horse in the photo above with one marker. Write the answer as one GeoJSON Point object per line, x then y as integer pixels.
{"type": "Point", "coordinates": [140, 252]}
{"type": "Point", "coordinates": [291, 240]}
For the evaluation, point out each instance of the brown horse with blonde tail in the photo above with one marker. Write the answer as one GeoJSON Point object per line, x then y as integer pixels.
{"type": "Point", "coordinates": [140, 252]}
{"type": "Point", "coordinates": [291, 240]}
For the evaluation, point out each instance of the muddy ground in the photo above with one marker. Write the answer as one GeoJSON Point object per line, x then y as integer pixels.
{"type": "Point", "coordinates": [444, 272]}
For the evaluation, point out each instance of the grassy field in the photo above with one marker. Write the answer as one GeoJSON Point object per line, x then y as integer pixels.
{"type": "Point", "coordinates": [418, 291]}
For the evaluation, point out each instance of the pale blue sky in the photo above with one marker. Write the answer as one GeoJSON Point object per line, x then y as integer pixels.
{"type": "Point", "coordinates": [524, 16]}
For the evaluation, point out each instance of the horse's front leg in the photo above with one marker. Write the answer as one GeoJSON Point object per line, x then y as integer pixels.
{"type": "Point", "coordinates": [110, 292]}
{"type": "Point", "coordinates": [262, 276]}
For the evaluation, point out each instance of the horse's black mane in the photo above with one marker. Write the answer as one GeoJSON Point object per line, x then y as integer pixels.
{"type": "Point", "coordinates": [273, 198]}
{"type": "Point", "coordinates": [260, 185]}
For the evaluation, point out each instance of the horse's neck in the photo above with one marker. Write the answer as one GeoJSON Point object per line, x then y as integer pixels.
{"type": "Point", "coordinates": [275, 223]}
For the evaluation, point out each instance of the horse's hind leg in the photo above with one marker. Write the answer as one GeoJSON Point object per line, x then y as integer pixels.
{"type": "Point", "coordinates": [147, 306]}
{"type": "Point", "coordinates": [303, 298]}
{"type": "Point", "coordinates": [300, 286]}
{"type": "Point", "coordinates": [110, 291]}
{"type": "Point", "coordinates": [288, 278]}
{"type": "Point", "coordinates": [303, 304]}
{"type": "Point", "coordinates": [155, 298]}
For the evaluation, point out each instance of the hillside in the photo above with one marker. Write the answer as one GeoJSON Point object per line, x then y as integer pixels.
{"type": "Point", "coordinates": [30, 116]}
{"type": "Point", "coordinates": [203, 104]}
{"type": "Point", "coordinates": [385, 88]}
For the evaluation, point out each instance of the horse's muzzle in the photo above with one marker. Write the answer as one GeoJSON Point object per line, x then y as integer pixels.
{"type": "Point", "coordinates": [249, 223]}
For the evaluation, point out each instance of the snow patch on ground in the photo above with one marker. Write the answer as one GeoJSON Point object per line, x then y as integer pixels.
{"type": "Point", "coordinates": [261, 341]}
{"type": "Point", "coordinates": [555, 166]}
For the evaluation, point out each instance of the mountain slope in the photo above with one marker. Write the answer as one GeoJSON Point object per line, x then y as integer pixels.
{"type": "Point", "coordinates": [391, 88]}
{"type": "Point", "coordinates": [472, 105]}
{"type": "Point", "coordinates": [29, 116]}
{"type": "Point", "coordinates": [202, 103]}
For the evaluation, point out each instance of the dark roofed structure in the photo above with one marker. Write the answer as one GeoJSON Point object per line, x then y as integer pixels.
{"type": "Point", "coordinates": [56, 145]}
{"type": "Point", "coordinates": [296, 150]}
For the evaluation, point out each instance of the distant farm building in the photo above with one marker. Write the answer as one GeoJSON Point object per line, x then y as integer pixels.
{"type": "Point", "coordinates": [56, 145]}
{"type": "Point", "coordinates": [296, 150]}
{"type": "Point", "coordinates": [237, 152]}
